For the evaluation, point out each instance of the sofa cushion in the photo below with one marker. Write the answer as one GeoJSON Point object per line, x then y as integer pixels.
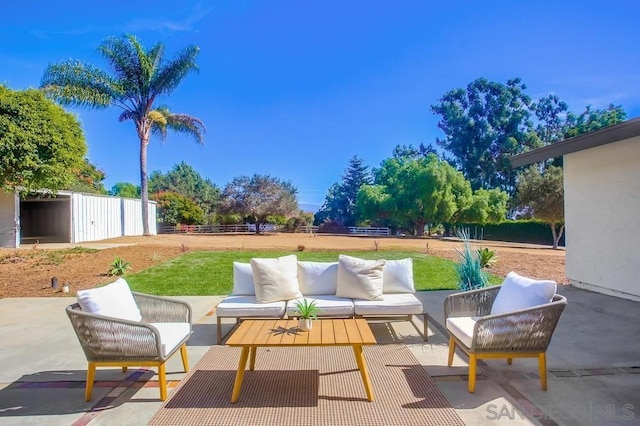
{"type": "Point", "coordinates": [112, 300]}
{"type": "Point", "coordinates": [462, 328]}
{"type": "Point", "coordinates": [359, 278]}
{"type": "Point", "coordinates": [276, 278]}
{"type": "Point", "coordinates": [243, 279]}
{"type": "Point", "coordinates": [397, 276]}
{"type": "Point", "coordinates": [318, 278]}
{"type": "Point", "coordinates": [390, 304]}
{"type": "Point", "coordinates": [248, 306]}
{"type": "Point", "coordinates": [328, 306]}
{"type": "Point", "coordinates": [171, 334]}
{"type": "Point", "coordinates": [518, 292]}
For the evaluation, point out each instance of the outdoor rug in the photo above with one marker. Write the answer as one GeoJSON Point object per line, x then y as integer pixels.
{"type": "Point", "coordinates": [308, 386]}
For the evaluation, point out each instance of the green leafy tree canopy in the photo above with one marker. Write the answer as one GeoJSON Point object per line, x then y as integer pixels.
{"type": "Point", "coordinates": [125, 189]}
{"type": "Point", "coordinates": [185, 180]}
{"type": "Point", "coordinates": [485, 124]}
{"type": "Point", "coordinates": [258, 197]}
{"type": "Point", "coordinates": [174, 209]}
{"type": "Point", "coordinates": [41, 145]}
{"type": "Point", "coordinates": [541, 194]}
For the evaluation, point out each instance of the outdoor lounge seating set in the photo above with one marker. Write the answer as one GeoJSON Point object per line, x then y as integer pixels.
{"type": "Point", "coordinates": [351, 287]}
{"type": "Point", "coordinates": [117, 327]}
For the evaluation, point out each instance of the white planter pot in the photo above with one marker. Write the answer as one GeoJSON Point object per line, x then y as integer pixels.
{"type": "Point", "coordinates": [305, 324]}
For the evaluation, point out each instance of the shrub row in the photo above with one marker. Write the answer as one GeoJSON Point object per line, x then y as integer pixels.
{"type": "Point", "coordinates": [520, 231]}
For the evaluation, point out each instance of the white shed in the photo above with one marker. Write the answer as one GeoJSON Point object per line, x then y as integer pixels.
{"type": "Point", "coordinates": [602, 207]}
{"type": "Point", "coordinates": [69, 217]}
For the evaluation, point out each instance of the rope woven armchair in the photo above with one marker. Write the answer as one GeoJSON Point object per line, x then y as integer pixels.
{"type": "Point", "coordinates": [107, 341]}
{"type": "Point", "coordinates": [523, 333]}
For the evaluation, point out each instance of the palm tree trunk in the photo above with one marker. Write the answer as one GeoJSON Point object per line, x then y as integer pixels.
{"type": "Point", "coordinates": [144, 189]}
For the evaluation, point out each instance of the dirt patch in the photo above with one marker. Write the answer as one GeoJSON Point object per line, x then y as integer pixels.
{"type": "Point", "coordinates": [27, 272]}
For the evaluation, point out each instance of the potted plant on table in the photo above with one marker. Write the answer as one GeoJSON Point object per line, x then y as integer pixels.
{"type": "Point", "coordinates": [306, 311]}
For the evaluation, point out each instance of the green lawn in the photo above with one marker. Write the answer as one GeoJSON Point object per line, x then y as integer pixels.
{"type": "Point", "coordinates": [211, 272]}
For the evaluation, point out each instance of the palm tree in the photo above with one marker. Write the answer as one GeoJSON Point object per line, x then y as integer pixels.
{"type": "Point", "coordinates": [139, 77]}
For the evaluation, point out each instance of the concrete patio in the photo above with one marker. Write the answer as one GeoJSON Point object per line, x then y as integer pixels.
{"type": "Point", "coordinates": [593, 362]}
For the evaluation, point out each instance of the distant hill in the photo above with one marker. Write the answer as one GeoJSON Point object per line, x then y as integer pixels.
{"type": "Point", "coordinates": [310, 208]}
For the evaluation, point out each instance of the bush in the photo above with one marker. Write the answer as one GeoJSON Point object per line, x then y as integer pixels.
{"type": "Point", "coordinates": [517, 231]}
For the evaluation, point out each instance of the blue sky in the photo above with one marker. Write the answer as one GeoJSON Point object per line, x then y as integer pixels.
{"type": "Point", "coordinates": [296, 88]}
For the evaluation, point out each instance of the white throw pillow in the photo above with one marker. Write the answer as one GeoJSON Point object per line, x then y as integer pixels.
{"type": "Point", "coordinates": [359, 278]}
{"type": "Point", "coordinates": [276, 279]}
{"type": "Point", "coordinates": [112, 300]}
{"type": "Point", "coordinates": [318, 278]}
{"type": "Point", "coordinates": [518, 292]}
{"type": "Point", "coordinates": [243, 280]}
{"type": "Point", "coordinates": [397, 276]}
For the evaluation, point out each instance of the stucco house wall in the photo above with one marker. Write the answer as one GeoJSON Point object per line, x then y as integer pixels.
{"type": "Point", "coordinates": [602, 216]}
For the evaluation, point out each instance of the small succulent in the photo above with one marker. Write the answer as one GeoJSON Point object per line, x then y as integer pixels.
{"type": "Point", "coordinates": [306, 309]}
{"type": "Point", "coordinates": [119, 266]}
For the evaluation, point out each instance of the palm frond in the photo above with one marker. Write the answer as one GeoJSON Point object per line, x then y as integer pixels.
{"type": "Point", "coordinates": [171, 74]}
{"type": "Point", "coordinates": [181, 123]}
{"type": "Point", "coordinates": [74, 82]}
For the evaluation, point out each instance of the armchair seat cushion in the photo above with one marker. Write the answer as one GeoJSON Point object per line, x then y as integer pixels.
{"type": "Point", "coordinates": [248, 306]}
{"type": "Point", "coordinates": [462, 328]}
{"type": "Point", "coordinates": [391, 304]}
{"type": "Point", "coordinates": [171, 334]}
{"type": "Point", "coordinates": [327, 305]}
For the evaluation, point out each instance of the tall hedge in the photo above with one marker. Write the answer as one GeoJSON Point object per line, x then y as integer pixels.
{"type": "Point", "coordinates": [520, 231]}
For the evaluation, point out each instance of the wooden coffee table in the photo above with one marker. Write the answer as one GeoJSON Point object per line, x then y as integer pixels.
{"type": "Point", "coordinates": [252, 334]}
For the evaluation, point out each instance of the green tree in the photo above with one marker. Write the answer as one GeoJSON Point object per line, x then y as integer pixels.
{"type": "Point", "coordinates": [414, 192]}
{"type": "Point", "coordinates": [185, 180]}
{"type": "Point", "coordinates": [125, 189]}
{"type": "Point", "coordinates": [484, 125]}
{"type": "Point", "coordinates": [258, 197]}
{"type": "Point", "coordinates": [541, 194]}
{"type": "Point", "coordinates": [591, 120]}
{"type": "Point", "coordinates": [89, 179]}
{"type": "Point", "coordinates": [340, 201]}
{"type": "Point", "coordinates": [139, 77]}
{"type": "Point", "coordinates": [487, 206]}
{"type": "Point", "coordinates": [41, 145]}
{"type": "Point", "coordinates": [174, 209]}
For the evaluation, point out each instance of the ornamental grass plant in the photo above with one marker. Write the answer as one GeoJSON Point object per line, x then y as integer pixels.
{"type": "Point", "coordinates": [471, 275]}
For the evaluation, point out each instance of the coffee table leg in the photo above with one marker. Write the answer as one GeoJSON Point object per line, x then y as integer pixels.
{"type": "Point", "coordinates": [240, 374]}
{"type": "Point", "coordinates": [252, 358]}
{"type": "Point", "coordinates": [362, 366]}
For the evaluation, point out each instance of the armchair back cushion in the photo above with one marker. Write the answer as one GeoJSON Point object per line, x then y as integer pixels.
{"type": "Point", "coordinates": [276, 279]}
{"type": "Point", "coordinates": [359, 278]}
{"type": "Point", "coordinates": [112, 300]}
{"type": "Point", "coordinates": [243, 284]}
{"type": "Point", "coordinates": [397, 276]}
{"type": "Point", "coordinates": [318, 278]}
{"type": "Point", "coordinates": [518, 292]}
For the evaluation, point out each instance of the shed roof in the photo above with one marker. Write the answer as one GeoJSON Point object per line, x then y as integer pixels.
{"type": "Point", "coordinates": [615, 133]}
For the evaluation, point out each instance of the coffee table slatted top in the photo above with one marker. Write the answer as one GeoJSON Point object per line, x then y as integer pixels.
{"type": "Point", "coordinates": [325, 332]}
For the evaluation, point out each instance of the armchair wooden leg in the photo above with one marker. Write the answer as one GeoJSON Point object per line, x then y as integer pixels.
{"type": "Point", "coordinates": [219, 331]}
{"type": "Point", "coordinates": [542, 366]}
{"type": "Point", "coordinates": [452, 349]}
{"type": "Point", "coordinates": [472, 373]}
{"type": "Point", "coordinates": [124, 369]}
{"type": "Point", "coordinates": [162, 378]}
{"type": "Point", "coordinates": [185, 358]}
{"type": "Point", "coordinates": [425, 330]}
{"type": "Point", "coordinates": [509, 361]}
{"type": "Point", "coordinates": [91, 375]}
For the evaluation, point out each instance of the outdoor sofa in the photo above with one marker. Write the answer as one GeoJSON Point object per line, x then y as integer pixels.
{"type": "Point", "coordinates": [351, 287]}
